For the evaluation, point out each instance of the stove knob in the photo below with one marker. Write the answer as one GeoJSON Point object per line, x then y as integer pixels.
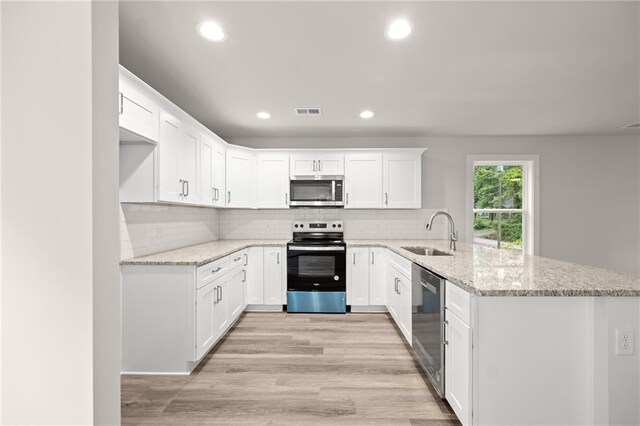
{"type": "Point", "coordinates": [302, 225]}
{"type": "Point", "coordinates": [296, 225]}
{"type": "Point", "coordinates": [334, 225]}
{"type": "Point", "coordinates": [339, 226]}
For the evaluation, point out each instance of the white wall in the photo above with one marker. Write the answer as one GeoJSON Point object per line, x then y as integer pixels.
{"type": "Point", "coordinates": [59, 183]}
{"type": "Point", "coordinates": [589, 187]}
{"type": "Point", "coordinates": [106, 241]}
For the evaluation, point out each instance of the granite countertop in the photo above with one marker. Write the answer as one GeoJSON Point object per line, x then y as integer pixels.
{"type": "Point", "coordinates": [480, 270]}
{"type": "Point", "coordinates": [487, 271]}
{"type": "Point", "coordinates": [200, 254]}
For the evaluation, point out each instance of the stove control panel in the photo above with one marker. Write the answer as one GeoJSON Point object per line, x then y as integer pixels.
{"type": "Point", "coordinates": [318, 226]}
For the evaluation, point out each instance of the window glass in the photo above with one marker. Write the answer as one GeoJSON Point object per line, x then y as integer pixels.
{"type": "Point", "coordinates": [497, 187]}
{"type": "Point", "coordinates": [500, 230]}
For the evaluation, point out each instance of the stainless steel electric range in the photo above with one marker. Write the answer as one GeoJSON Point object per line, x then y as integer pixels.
{"type": "Point", "coordinates": [317, 268]}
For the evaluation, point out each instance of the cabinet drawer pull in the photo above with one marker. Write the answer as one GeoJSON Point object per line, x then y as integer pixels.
{"type": "Point", "coordinates": [319, 165]}
{"type": "Point", "coordinates": [218, 269]}
{"type": "Point", "coordinates": [314, 165]}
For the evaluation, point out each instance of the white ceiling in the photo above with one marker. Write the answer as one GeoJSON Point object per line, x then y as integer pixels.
{"type": "Point", "coordinates": [475, 68]}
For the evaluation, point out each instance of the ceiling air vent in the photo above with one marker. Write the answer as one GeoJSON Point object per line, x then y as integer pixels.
{"type": "Point", "coordinates": [632, 126]}
{"type": "Point", "coordinates": [308, 111]}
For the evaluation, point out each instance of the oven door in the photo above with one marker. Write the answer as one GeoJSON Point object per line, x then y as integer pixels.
{"type": "Point", "coordinates": [316, 193]}
{"type": "Point", "coordinates": [318, 268]}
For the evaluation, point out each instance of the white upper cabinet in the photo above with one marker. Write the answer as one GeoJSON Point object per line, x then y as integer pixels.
{"type": "Point", "coordinates": [241, 178]}
{"type": "Point", "coordinates": [188, 164]}
{"type": "Point", "coordinates": [212, 176]}
{"type": "Point", "coordinates": [170, 186]}
{"type": "Point", "coordinates": [139, 114]}
{"type": "Point", "coordinates": [363, 181]}
{"type": "Point", "coordinates": [273, 181]}
{"type": "Point", "coordinates": [178, 161]}
{"type": "Point", "coordinates": [402, 180]}
{"type": "Point", "coordinates": [316, 164]}
{"type": "Point", "coordinates": [330, 165]}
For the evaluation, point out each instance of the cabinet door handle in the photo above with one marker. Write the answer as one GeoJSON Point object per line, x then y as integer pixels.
{"type": "Point", "coordinates": [286, 198]}
{"type": "Point", "coordinates": [278, 257]}
{"type": "Point", "coordinates": [221, 295]}
{"type": "Point", "coordinates": [244, 276]}
{"type": "Point", "coordinates": [314, 165]}
{"type": "Point", "coordinates": [213, 194]}
{"type": "Point", "coordinates": [121, 103]}
{"type": "Point", "coordinates": [395, 285]}
{"type": "Point", "coordinates": [445, 324]}
{"type": "Point", "coordinates": [217, 194]}
{"type": "Point", "coordinates": [354, 258]}
{"type": "Point", "coordinates": [215, 302]}
{"type": "Point", "coordinates": [187, 182]}
{"type": "Point", "coordinates": [246, 259]}
{"type": "Point", "coordinates": [319, 165]}
{"type": "Point", "coordinates": [373, 257]}
{"type": "Point", "coordinates": [386, 198]}
{"type": "Point", "coordinates": [347, 198]}
{"type": "Point", "coordinates": [181, 187]}
{"type": "Point", "coordinates": [228, 197]}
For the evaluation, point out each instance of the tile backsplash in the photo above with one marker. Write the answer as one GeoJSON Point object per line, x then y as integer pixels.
{"type": "Point", "coordinates": [150, 228]}
{"type": "Point", "coordinates": [358, 224]}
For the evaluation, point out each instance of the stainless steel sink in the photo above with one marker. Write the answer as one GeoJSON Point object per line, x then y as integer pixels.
{"type": "Point", "coordinates": [426, 251]}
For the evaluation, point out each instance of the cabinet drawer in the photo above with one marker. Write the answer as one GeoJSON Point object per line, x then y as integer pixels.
{"type": "Point", "coordinates": [238, 258]}
{"type": "Point", "coordinates": [458, 301]}
{"type": "Point", "coordinates": [402, 265]}
{"type": "Point", "coordinates": [212, 270]}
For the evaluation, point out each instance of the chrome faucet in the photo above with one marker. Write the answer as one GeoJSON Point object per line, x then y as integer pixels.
{"type": "Point", "coordinates": [453, 234]}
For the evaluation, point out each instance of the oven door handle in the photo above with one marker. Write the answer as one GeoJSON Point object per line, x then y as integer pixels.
{"type": "Point", "coordinates": [322, 248]}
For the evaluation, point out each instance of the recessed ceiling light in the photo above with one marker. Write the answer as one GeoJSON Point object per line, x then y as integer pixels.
{"type": "Point", "coordinates": [263, 115]}
{"type": "Point", "coordinates": [211, 31]}
{"type": "Point", "coordinates": [398, 29]}
{"type": "Point", "coordinates": [366, 114]}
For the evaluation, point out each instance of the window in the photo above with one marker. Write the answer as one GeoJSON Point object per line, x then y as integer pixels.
{"type": "Point", "coordinates": [502, 198]}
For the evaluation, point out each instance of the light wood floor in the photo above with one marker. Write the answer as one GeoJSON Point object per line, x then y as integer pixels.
{"type": "Point", "coordinates": [278, 368]}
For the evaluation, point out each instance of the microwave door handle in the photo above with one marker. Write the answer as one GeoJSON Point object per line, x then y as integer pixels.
{"type": "Point", "coordinates": [333, 190]}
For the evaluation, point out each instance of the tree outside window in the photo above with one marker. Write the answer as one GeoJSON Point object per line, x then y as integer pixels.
{"type": "Point", "coordinates": [498, 194]}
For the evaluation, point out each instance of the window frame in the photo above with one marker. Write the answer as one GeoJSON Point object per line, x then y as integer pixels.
{"type": "Point", "coordinates": [530, 196]}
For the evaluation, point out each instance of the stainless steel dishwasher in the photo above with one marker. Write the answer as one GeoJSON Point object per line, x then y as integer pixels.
{"type": "Point", "coordinates": [427, 323]}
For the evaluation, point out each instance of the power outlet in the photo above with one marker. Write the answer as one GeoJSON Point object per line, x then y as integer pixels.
{"type": "Point", "coordinates": [624, 341]}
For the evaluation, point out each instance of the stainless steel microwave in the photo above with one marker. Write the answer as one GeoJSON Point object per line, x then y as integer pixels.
{"type": "Point", "coordinates": [328, 191]}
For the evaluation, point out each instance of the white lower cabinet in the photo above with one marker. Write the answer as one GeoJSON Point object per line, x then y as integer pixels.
{"type": "Point", "coordinates": [358, 276]}
{"type": "Point", "coordinates": [366, 279]}
{"type": "Point", "coordinates": [458, 352]}
{"type": "Point", "coordinates": [273, 273]}
{"type": "Point", "coordinates": [399, 294]}
{"type": "Point", "coordinates": [265, 277]}
{"type": "Point", "coordinates": [206, 330]}
{"type": "Point", "coordinates": [377, 276]}
{"type": "Point", "coordinates": [255, 271]}
{"type": "Point", "coordinates": [237, 279]}
{"type": "Point", "coordinates": [221, 308]}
